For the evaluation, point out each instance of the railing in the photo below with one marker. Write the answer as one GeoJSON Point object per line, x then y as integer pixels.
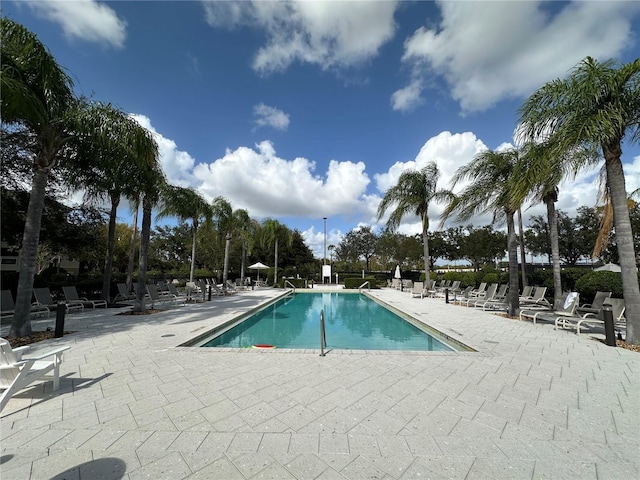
{"type": "Point", "coordinates": [323, 335]}
{"type": "Point", "coordinates": [290, 284]}
{"type": "Point", "coordinates": [362, 286]}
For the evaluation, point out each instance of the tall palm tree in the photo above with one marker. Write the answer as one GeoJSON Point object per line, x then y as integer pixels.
{"type": "Point", "coordinates": [412, 194]}
{"type": "Point", "coordinates": [490, 191]}
{"type": "Point", "coordinates": [244, 227]}
{"type": "Point", "coordinates": [223, 215]}
{"type": "Point", "coordinates": [272, 232]}
{"type": "Point", "coordinates": [37, 94]}
{"type": "Point", "coordinates": [597, 105]}
{"type": "Point", "coordinates": [151, 181]}
{"type": "Point", "coordinates": [108, 158]}
{"type": "Point", "coordinates": [135, 209]}
{"type": "Point", "coordinates": [185, 204]}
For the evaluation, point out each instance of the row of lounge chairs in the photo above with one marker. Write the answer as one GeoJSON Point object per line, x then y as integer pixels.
{"type": "Point", "coordinates": [44, 302]}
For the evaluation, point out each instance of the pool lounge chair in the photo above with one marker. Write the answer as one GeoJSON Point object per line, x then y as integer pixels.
{"type": "Point", "coordinates": [17, 372]}
{"type": "Point", "coordinates": [418, 290]}
{"type": "Point", "coordinates": [480, 302]}
{"type": "Point", "coordinates": [594, 307]}
{"type": "Point", "coordinates": [566, 308]}
{"type": "Point", "coordinates": [72, 297]}
{"type": "Point", "coordinates": [156, 298]}
{"type": "Point", "coordinates": [537, 299]}
{"type": "Point", "coordinates": [589, 319]}
{"type": "Point", "coordinates": [124, 294]}
{"type": "Point", "coordinates": [463, 297]}
{"type": "Point", "coordinates": [9, 307]}
{"type": "Point", "coordinates": [43, 297]}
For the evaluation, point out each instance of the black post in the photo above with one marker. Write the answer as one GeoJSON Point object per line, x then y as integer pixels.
{"type": "Point", "coordinates": [609, 329]}
{"type": "Point", "coordinates": [446, 295]}
{"type": "Point", "coordinates": [209, 299]}
{"type": "Point", "coordinates": [61, 311]}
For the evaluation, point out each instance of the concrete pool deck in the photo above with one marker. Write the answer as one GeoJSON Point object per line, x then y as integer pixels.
{"type": "Point", "coordinates": [531, 403]}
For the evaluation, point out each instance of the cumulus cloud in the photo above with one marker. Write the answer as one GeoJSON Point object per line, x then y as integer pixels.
{"type": "Point", "coordinates": [489, 51]}
{"type": "Point", "coordinates": [266, 116]}
{"type": "Point", "coordinates": [177, 165]}
{"type": "Point", "coordinates": [327, 34]}
{"type": "Point", "coordinates": [407, 98]}
{"type": "Point", "coordinates": [84, 20]}
{"type": "Point", "coordinates": [266, 185]}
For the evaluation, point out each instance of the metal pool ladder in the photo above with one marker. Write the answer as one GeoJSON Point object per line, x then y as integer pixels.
{"type": "Point", "coordinates": [323, 336]}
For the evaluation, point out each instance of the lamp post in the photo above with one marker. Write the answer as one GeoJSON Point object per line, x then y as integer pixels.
{"type": "Point", "coordinates": [324, 258]}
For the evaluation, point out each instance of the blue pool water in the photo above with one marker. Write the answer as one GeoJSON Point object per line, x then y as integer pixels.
{"type": "Point", "coordinates": [352, 321]}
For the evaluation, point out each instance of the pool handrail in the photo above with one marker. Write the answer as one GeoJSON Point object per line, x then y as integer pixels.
{"type": "Point", "coordinates": [323, 334]}
{"type": "Point", "coordinates": [362, 286]}
{"type": "Point", "coordinates": [291, 284]}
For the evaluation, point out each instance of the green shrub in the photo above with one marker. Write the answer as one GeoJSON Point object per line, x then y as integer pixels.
{"type": "Point", "coordinates": [356, 282]}
{"type": "Point", "coordinates": [591, 282]}
{"type": "Point", "coordinates": [492, 277]}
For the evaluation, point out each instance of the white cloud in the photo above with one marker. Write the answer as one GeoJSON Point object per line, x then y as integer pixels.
{"type": "Point", "coordinates": [266, 185]}
{"type": "Point", "coordinates": [407, 98]}
{"type": "Point", "coordinates": [85, 20]}
{"type": "Point", "coordinates": [177, 165]}
{"type": "Point", "coordinates": [489, 51]}
{"type": "Point", "coordinates": [266, 116]}
{"type": "Point", "coordinates": [328, 34]}
{"type": "Point", "coordinates": [450, 152]}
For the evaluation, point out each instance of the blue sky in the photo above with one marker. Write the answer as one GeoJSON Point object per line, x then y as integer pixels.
{"type": "Point", "coordinates": [300, 110]}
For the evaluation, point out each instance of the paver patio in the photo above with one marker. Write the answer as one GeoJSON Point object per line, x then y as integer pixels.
{"type": "Point", "coordinates": [531, 403]}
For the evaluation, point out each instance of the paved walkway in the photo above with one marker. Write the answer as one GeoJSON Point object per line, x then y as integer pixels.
{"type": "Point", "coordinates": [532, 403]}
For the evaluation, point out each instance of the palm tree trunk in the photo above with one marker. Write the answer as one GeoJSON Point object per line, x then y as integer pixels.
{"type": "Point", "coordinates": [132, 247]}
{"type": "Point", "coordinates": [425, 251]}
{"type": "Point", "coordinates": [522, 252]}
{"type": "Point", "coordinates": [624, 240]}
{"type": "Point", "coordinates": [275, 272]}
{"type": "Point", "coordinates": [145, 234]}
{"type": "Point", "coordinates": [194, 242]}
{"type": "Point", "coordinates": [514, 281]}
{"type": "Point", "coordinates": [225, 270]}
{"type": "Point", "coordinates": [242, 262]}
{"type": "Point", "coordinates": [21, 323]}
{"type": "Point", "coordinates": [111, 242]}
{"type": "Point", "coordinates": [554, 240]}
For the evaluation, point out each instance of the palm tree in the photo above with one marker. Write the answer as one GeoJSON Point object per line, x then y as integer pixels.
{"type": "Point", "coordinates": [491, 175]}
{"type": "Point", "coordinates": [108, 160]}
{"type": "Point", "coordinates": [185, 204]}
{"type": "Point", "coordinates": [223, 213]}
{"type": "Point", "coordinates": [412, 194]}
{"type": "Point", "coordinates": [151, 181]}
{"type": "Point", "coordinates": [244, 227]}
{"type": "Point", "coordinates": [597, 105]}
{"type": "Point", "coordinates": [272, 231]}
{"type": "Point", "coordinates": [36, 94]}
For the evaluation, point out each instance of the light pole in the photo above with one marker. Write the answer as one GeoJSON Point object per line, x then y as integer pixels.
{"type": "Point", "coordinates": [324, 259]}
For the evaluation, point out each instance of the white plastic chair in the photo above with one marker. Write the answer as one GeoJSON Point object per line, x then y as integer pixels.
{"type": "Point", "coordinates": [17, 372]}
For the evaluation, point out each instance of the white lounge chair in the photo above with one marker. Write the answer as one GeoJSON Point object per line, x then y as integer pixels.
{"type": "Point", "coordinates": [124, 294]}
{"type": "Point", "coordinates": [418, 290]}
{"type": "Point", "coordinates": [537, 299]}
{"type": "Point", "coordinates": [566, 308]}
{"type": "Point", "coordinates": [72, 297]}
{"type": "Point", "coordinates": [17, 372]}
{"type": "Point", "coordinates": [594, 307]}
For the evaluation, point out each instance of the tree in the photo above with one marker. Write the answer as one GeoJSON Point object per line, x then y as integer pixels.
{"type": "Point", "coordinates": [185, 204]}
{"type": "Point", "coordinates": [482, 246]}
{"type": "Point", "coordinates": [491, 176]}
{"type": "Point", "coordinates": [412, 194]}
{"type": "Point", "coordinates": [272, 232]}
{"type": "Point", "coordinates": [359, 242]}
{"type": "Point", "coordinates": [109, 149]}
{"type": "Point", "coordinates": [37, 94]}
{"type": "Point", "coordinates": [597, 105]}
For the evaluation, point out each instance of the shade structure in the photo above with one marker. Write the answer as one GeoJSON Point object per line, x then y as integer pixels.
{"type": "Point", "coordinates": [258, 266]}
{"type": "Point", "coordinates": [608, 267]}
{"type": "Point", "coordinates": [397, 274]}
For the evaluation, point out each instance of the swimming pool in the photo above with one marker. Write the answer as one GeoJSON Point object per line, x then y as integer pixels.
{"type": "Point", "coordinates": [352, 321]}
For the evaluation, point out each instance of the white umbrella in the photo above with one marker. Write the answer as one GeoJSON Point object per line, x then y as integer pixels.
{"type": "Point", "coordinates": [258, 266]}
{"type": "Point", "coordinates": [608, 267]}
{"type": "Point", "coordinates": [397, 274]}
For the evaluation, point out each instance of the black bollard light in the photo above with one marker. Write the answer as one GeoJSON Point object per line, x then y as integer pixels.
{"type": "Point", "coordinates": [446, 295]}
{"type": "Point", "coordinates": [61, 311]}
{"type": "Point", "coordinates": [209, 298]}
{"type": "Point", "coordinates": [609, 329]}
